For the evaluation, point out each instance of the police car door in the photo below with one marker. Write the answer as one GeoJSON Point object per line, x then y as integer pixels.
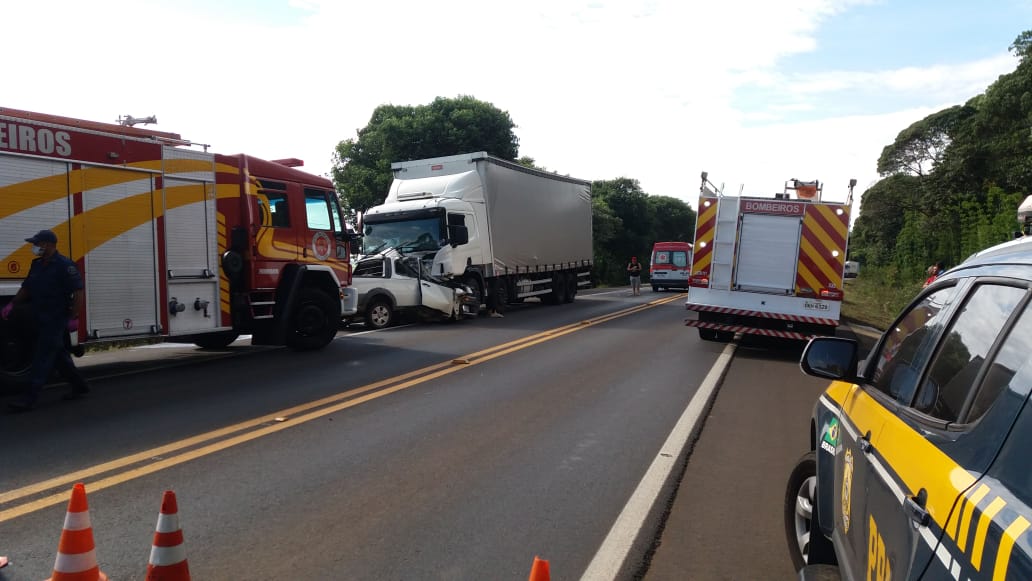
{"type": "Point", "coordinates": [864, 509]}
{"type": "Point", "coordinates": [923, 459]}
{"type": "Point", "coordinates": [978, 382]}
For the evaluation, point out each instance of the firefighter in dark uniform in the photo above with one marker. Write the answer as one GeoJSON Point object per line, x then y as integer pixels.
{"type": "Point", "coordinates": [53, 289]}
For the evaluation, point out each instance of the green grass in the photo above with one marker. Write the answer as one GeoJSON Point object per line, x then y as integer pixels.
{"type": "Point", "coordinates": [876, 296]}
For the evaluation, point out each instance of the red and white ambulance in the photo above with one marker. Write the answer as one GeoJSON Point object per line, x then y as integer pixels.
{"type": "Point", "coordinates": [670, 265]}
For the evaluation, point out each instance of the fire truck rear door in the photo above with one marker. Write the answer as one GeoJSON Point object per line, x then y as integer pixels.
{"type": "Point", "coordinates": [768, 250]}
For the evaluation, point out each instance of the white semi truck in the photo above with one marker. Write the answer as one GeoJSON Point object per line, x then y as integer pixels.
{"type": "Point", "coordinates": [505, 231]}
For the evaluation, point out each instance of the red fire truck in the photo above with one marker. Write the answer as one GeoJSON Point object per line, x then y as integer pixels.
{"type": "Point", "coordinates": [171, 241]}
{"type": "Point", "coordinates": [768, 266]}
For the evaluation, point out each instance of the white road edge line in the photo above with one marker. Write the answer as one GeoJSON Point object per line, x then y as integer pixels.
{"type": "Point", "coordinates": [609, 559]}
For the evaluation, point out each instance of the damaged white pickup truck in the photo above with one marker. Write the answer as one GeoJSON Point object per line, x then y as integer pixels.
{"type": "Point", "coordinates": [392, 284]}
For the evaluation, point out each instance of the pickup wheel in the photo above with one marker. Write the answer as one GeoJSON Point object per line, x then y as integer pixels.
{"type": "Point", "coordinates": [379, 314]}
{"type": "Point", "coordinates": [314, 322]}
{"type": "Point", "coordinates": [215, 340]}
{"type": "Point", "coordinates": [807, 545]}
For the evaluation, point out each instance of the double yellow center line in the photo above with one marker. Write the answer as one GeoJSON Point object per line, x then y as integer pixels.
{"type": "Point", "coordinates": [175, 453]}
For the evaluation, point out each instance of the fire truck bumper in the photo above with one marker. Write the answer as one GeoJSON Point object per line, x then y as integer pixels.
{"type": "Point", "coordinates": [348, 301]}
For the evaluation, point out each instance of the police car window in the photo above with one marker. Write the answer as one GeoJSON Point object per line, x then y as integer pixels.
{"type": "Point", "coordinates": [1012, 368]}
{"type": "Point", "coordinates": [908, 345]}
{"type": "Point", "coordinates": [964, 348]}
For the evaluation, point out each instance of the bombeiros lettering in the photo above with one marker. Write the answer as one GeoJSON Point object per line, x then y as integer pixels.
{"type": "Point", "coordinates": [773, 207]}
{"type": "Point", "coordinates": [28, 139]}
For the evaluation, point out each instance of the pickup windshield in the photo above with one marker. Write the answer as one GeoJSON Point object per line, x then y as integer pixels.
{"type": "Point", "coordinates": [417, 235]}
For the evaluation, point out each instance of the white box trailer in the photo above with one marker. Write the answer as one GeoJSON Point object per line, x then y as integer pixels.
{"type": "Point", "coordinates": [506, 231]}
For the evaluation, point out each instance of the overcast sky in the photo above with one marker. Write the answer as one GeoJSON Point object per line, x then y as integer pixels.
{"type": "Point", "coordinates": [754, 92]}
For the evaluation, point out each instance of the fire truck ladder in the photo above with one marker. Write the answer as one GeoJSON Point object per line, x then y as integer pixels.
{"type": "Point", "coordinates": [724, 238]}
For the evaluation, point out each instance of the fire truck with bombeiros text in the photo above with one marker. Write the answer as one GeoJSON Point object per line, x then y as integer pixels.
{"type": "Point", "coordinates": [768, 266]}
{"type": "Point", "coordinates": [172, 242]}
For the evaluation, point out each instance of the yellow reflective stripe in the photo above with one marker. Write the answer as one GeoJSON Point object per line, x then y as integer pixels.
{"type": "Point", "coordinates": [838, 390]}
{"type": "Point", "coordinates": [965, 519]}
{"type": "Point", "coordinates": [1015, 530]}
{"type": "Point", "coordinates": [983, 528]}
{"type": "Point", "coordinates": [916, 461]}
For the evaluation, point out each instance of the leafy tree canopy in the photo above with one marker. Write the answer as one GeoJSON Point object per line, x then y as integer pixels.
{"type": "Point", "coordinates": [362, 166]}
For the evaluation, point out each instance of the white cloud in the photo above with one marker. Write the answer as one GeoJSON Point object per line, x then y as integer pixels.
{"type": "Point", "coordinates": [598, 88]}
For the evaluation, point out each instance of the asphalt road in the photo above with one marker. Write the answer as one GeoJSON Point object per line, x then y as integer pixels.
{"type": "Point", "coordinates": [424, 452]}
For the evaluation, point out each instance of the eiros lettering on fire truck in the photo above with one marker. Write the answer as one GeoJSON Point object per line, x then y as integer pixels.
{"type": "Point", "coordinates": [172, 241]}
{"type": "Point", "coordinates": [768, 266]}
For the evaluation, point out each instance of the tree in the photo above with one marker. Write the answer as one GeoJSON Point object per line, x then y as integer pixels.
{"type": "Point", "coordinates": [918, 148]}
{"type": "Point", "coordinates": [672, 219]}
{"type": "Point", "coordinates": [361, 166]}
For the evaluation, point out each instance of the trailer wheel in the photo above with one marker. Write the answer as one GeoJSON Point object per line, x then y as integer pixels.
{"type": "Point", "coordinates": [215, 340]}
{"type": "Point", "coordinates": [473, 282]}
{"type": "Point", "coordinates": [707, 334]}
{"type": "Point", "coordinates": [499, 295]}
{"type": "Point", "coordinates": [571, 287]}
{"type": "Point", "coordinates": [314, 323]}
{"type": "Point", "coordinates": [17, 342]}
{"type": "Point", "coordinates": [379, 314]}
{"type": "Point", "coordinates": [558, 294]}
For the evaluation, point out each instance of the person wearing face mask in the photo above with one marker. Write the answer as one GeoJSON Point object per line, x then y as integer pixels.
{"type": "Point", "coordinates": [53, 289]}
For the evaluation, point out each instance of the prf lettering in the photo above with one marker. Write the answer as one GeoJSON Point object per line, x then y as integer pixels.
{"type": "Point", "coordinates": [32, 140]}
{"type": "Point", "coordinates": [878, 568]}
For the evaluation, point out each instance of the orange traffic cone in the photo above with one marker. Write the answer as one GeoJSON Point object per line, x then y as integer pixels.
{"type": "Point", "coordinates": [539, 571]}
{"type": "Point", "coordinates": [76, 555]}
{"type": "Point", "coordinates": [168, 556]}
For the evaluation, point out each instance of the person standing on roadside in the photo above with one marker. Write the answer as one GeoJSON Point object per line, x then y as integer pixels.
{"type": "Point", "coordinates": [53, 289]}
{"type": "Point", "coordinates": [634, 270]}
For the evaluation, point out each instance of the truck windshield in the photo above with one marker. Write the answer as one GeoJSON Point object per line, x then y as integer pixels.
{"type": "Point", "coordinates": [417, 235]}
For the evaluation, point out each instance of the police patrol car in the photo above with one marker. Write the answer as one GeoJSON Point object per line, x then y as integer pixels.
{"type": "Point", "coordinates": [921, 455]}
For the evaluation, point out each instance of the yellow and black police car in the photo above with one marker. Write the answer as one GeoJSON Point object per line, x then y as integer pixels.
{"type": "Point", "coordinates": [921, 455]}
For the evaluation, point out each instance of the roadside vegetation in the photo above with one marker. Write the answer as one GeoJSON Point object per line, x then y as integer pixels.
{"type": "Point", "coordinates": [952, 183]}
{"type": "Point", "coordinates": [874, 298]}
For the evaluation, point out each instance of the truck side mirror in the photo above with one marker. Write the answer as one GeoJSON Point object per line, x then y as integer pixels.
{"type": "Point", "coordinates": [458, 235]}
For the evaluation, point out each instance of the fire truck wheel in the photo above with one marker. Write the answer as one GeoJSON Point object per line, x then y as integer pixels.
{"type": "Point", "coordinates": [17, 338]}
{"type": "Point", "coordinates": [215, 340]}
{"type": "Point", "coordinates": [379, 314]}
{"type": "Point", "coordinates": [314, 323]}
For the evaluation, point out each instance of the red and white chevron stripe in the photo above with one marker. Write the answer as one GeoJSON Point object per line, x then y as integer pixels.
{"type": "Point", "coordinates": [752, 330]}
{"type": "Point", "coordinates": [762, 314]}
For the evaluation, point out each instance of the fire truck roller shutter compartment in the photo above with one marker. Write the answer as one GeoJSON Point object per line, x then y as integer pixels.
{"type": "Point", "coordinates": [120, 242]}
{"type": "Point", "coordinates": [769, 252]}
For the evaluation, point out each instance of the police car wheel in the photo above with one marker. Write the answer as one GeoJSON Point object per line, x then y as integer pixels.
{"type": "Point", "coordinates": [807, 545]}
